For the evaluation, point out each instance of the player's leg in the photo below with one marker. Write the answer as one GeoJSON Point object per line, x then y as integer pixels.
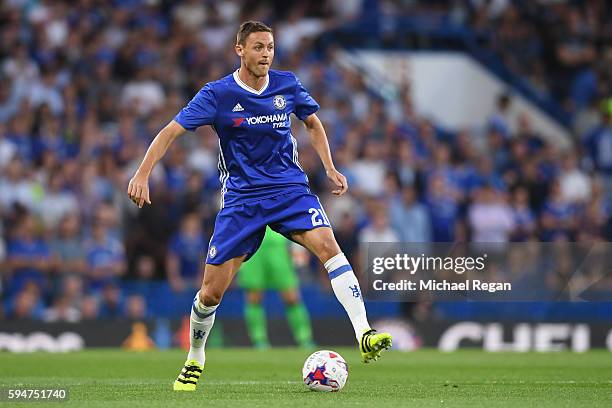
{"type": "Point", "coordinates": [298, 317]}
{"type": "Point", "coordinates": [301, 217]}
{"type": "Point", "coordinates": [255, 318]}
{"type": "Point", "coordinates": [283, 278]}
{"type": "Point", "coordinates": [237, 235]}
{"type": "Point", "coordinates": [217, 279]}
{"type": "Point", "coordinates": [252, 278]}
{"type": "Point", "coordinates": [322, 243]}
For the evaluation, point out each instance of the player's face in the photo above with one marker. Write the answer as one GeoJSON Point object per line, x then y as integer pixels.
{"type": "Point", "coordinates": [257, 53]}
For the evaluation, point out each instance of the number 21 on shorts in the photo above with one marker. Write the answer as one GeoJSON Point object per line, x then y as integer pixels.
{"type": "Point", "coordinates": [318, 217]}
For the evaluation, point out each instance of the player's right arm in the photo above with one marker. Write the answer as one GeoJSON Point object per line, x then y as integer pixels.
{"type": "Point", "coordinates": [200, 111]}
{"type": "Point", "coordinates": [138, 188]}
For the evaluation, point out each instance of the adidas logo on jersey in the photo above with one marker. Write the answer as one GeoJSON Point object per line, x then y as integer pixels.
{"type": "Point", "coordinates": [237, 108]}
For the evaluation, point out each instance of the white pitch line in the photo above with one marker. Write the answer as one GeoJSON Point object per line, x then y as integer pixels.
{"type": "Point", "coordinates": [126, 382]}
{"type": "Point", "coordinates": [542, 382]}
{"type": "Point", "coordinates": [250, 382]}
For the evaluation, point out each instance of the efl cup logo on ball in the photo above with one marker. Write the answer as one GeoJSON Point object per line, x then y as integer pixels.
{"type": "Point", "coordinates": [325, 370]}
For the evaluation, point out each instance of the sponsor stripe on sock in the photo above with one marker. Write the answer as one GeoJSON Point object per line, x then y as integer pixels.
{"type": "Point", "coordinates": [200, 314]}
{"type": "Point", "coordinates": [339, 271]}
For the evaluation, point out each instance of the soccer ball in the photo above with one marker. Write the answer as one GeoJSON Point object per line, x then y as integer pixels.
{"type": "Point", "coordinates": [325, 370]}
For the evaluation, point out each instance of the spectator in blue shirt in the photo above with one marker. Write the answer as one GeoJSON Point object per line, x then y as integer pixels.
{"type": "Point", "coordinates": [51, 139]}
{"type": "Point", "coordinates": [111, 302]}
{"type": "Point", "coordinates": [558, 217]}
{"type": "Point", "coordinates": [598, 144]}
{"type": "Point", "coordinates": [9, 99]}
{"type": "Point", "coordinates": [498, 122]}
{"type": "Point", "coordinates": [186, 255]}
{"type": "Point", "coordinates": [28, 257]}
{"type": "Point", "coordinates": [409, 217]}
{"type": "Point", "coordinates": [105, 257]}
{"type": "Point", "coordinates": [443, 207]}
{"type": "Point", "coordinates": [27, 304]}
{"type": "Point", "coordinates": [67, 247]}
{"type": "Point", "coordinates": [524, 219]}
{"type": "Point", "coordinates": [487, 176]}
{"type": "Point", "coordinates": [19, 134]}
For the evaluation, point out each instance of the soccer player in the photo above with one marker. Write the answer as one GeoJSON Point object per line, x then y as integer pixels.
{"type": "Point", "coordinates": [263, 185]}
{"type": "Point", "coordinates": [272, 268]}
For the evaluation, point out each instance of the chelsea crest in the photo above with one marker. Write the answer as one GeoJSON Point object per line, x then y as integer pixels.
{"type": "Point", "coordinates": [212, 252]}
{"type": "Point", "coordinates": [280, 102]}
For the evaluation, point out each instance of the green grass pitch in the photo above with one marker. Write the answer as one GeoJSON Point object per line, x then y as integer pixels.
{"type": "Point", "coordinates": [249, 378]}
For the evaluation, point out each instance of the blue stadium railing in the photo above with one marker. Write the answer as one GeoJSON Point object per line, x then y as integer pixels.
{"type": "Point", "coordinates": [163, 302]}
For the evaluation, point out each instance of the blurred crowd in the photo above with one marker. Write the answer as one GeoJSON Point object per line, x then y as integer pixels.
{"type": "Point", "coordinates": [562, 49]}
{"type": "Point", "coordinates": [86, 85]}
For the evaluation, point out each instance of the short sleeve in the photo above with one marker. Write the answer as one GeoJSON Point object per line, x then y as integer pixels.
{"type": "Point", "coordinates": [305, 105]}
{"type": "Point", "coordinates": [200, 111]}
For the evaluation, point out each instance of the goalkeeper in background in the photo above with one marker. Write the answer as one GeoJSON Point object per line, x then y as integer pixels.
{"type": "Point", "coordinates": [271, 268]}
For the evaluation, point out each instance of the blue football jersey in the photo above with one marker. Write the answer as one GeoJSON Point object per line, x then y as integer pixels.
{"type": "Point", "coordinates": [258, 155]}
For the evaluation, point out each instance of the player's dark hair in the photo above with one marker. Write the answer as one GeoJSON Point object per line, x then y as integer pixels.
{"type": "Point", "coordinates": [249, 27]}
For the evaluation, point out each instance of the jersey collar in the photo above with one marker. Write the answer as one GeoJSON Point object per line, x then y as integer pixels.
{"type": "Point", "coordinates": [248, 88]}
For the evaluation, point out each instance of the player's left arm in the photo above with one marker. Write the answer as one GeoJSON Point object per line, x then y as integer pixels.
{"type": "Point", "coordinates": [318, 139]}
